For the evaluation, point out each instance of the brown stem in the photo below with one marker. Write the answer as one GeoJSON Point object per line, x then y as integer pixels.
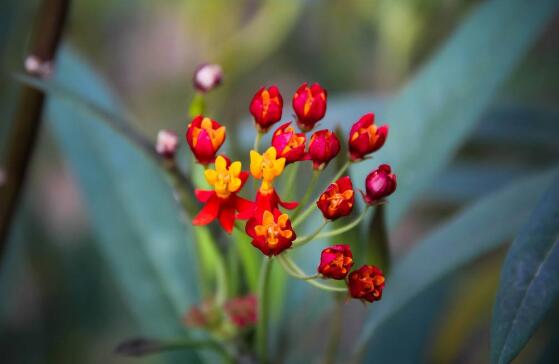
{"type": "Point", "coordinates": [47, 33]}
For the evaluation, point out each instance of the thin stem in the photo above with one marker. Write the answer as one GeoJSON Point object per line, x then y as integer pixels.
{"type": "Point", "coordinates": [341, 171]}
{"type": "Point", "coordinates": [308, 192]}
{"type": "Point", "coordinates": [257, 140]}
{"type": "Point", "coordinates": [285, 265]}
{"type": "Point", "coordinates": [291, 174]}
{"type": "Point", "coordinates": [303, 216]}
{"type": "Point", "coordinates": [292, 267]}
{"type": "Point", "coordinates": [20, 143]}
{"type": "Point", "coordinates": [141, 347]}
{"type": "Point", "coordinates": [336, 333]}
{"type": "Point", "coordinates": [263, 304]}
{"type": "Point", "coordinates": [306, 239]}
{"type": "Point", "coordinates": [345, 228]}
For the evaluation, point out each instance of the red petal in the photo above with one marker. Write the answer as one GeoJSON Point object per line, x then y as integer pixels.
{"type": "Point", "coordinates": [227, 218]}
{"type": "Point", "coordinates": [209, 212]}
{"type": "Point", "coordinates": [203, 195]}
{"type": "Point", "coordinates": [245, 207]}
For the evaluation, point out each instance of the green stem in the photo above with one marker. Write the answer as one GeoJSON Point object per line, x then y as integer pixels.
{"type": "Point", "coordinates": [263, 304]}
{"type": "Point", "coordinates": [336, 333]}
{"type": "Point", "coordinates": [291, 267]}
{"type": "Point", "coordinates": [257, 140]}
{"type": "Point", "coordinates": [297, 220]}
{"type": "Point", "coordinates": [341, 171]}
{"type": "Point", "coordinates": [285, 265]}
{"type": "Point", "coordinates": [288, 187]}
{"type": "Point", "coordinates": [308, 192]}
{"type": "Point", "coordinates": [306, 239]}
{"type": "Point", "coordinates": [345, 228]}
{"type": "Point", "coordinates": [141, 347]}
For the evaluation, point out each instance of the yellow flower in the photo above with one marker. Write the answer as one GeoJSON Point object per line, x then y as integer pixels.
{"type": "Point", "coordinates": [224, 180]}
{"type": "Point", "coordinates": [266, 167]}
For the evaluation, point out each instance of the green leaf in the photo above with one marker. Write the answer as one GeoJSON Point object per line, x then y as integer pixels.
{"type": "Point", "coordinates": [437, 110]}
{"type": "Point", "coordinates": [378, 245]}
{"type": "Point", "coordinates": [130, 205]}
{"type": "Point", "coordinates": [529, 283]}
{"type": "Point", "coordinates": [478, 230]}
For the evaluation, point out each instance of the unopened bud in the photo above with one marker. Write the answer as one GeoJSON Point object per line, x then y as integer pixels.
{"type": "Point", "coordinates": [167, 143]}
{"type": "Point", "coordinates": [207, 77]}
{"type": "Point", "coordinates": [38, 67]}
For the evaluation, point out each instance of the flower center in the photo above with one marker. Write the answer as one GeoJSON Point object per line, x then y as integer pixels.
{"type": "Point", "coordinates": [224, 180]}
{"type": "Point", "coordinates": [273, 231]}
{"type": "Point", "coordinates": [336, 198]}
{"type": "Point", "coordinates": [371, 131]}
{"type": "Point", "coordinates": [266, 167]}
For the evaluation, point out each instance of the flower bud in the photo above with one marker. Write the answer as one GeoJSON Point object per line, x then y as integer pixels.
{"type": "Point", "coordinates": [366, 283]}
{"type": "Point", "coordinates": [167, 143]}
{"type": "Point", "coordinates": [337, 200]}
{"type": "Point", "coordinates": [336, 261]}
{"type": "Point", "coordinates": [242, 311]}
{"type": "Point", "coordinates": [365, 137]}
{"type": "Point", "coordinates": [323, 147]}
{"type": "Point", "coordinates": [309, 103]}
{"type": "Point", "coordinates": [288, 144]}
{"type": "Point", "coordinates": [205, 136]}
{"type": "Point", "coordinates": [207, 77]}
{"type": "Point", "coordinates": [379, 184]}
{"type": "Point", "coordinates": [266, 108]}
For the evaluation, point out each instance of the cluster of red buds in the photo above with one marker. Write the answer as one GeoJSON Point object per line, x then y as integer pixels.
{"type": "Point", "coordinates": [269, 222]}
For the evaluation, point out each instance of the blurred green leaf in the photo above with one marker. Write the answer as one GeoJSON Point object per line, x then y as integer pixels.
{"type": "Point", "coordinates": [131, 208]}
{"type": "Point", "coordinates": [378, 245]}
{"type": "Point", "coordinates": [437, 110]}
{"type": "Point", "coordinates": [477, 230]}
{"type": "Point", "coordinates": [529, 284]}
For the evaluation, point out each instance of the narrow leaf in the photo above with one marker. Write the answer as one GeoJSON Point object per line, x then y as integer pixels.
{"type": "Point", "coordinates": [529, 283]}
{"type": "Point", "coordinates": [476, 231]}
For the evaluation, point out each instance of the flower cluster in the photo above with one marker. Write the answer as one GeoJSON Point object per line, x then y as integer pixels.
{"type": "Point", "coordinates": [270, 222]}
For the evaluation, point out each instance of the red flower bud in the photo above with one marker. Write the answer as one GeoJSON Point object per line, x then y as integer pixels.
{"type": "Point", "coordinates": [205, 136]}
{"type": "Point", "coordinates": [365, 137]}
{"type": "Point", "coordinates": [288, 144]}
{"type": "Point", "coordinates": [309, 104]}
{"type": "Point", "coordinates": [270, 232]}
{"type": "Point", "coordinates": [336, 261]}
{"type": "Point", "coordinates": [337, 200]}
{"type": "Point", "coordinates": [323, 146]}
{"type": "Point", "coordinates": [366, 283]}
{"type": "Point", "coordinates": [207, 77]}
{"type": "Point", "coordinates": [379, 184]}
{"type": "Point", "coordinates": [242, 311]}
{"type": "Point", "coordinates": [266, 108]}
{"type": "Point", "coordinates": [167, 143]}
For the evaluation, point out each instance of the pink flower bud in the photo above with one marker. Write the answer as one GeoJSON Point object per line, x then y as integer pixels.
{"type": "Point", "coordinates": [207, 77]}
{"type": "Point", "coordinates": [167, 143]}
{"type": "Point", "coordinates": [379, 184]}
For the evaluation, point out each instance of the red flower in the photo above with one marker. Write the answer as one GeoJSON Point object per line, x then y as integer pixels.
{"type": "Point", "coordinates": [270, 232]}
{"type": "Point", "coordinates": [270, 200]}
{"type": "Point", "coordinates": [366, 283]}
{"type": "Point", "coordinates": [337, 200]}
{"type": "Point", "coordinates": [222, 203]}
{"type": "Point", "coordinates": [379, 184]}
{"type": "Point", "coordinates": [365, 137]}
{"type": "Point", "coordinates": [336, 261]}
{"type": "Point", "coordinates": [309, 104]}
{"type": "Point", "coordinates": [205, 136]}
{"type": "Point", "coordinates": [242, 311]}
{"type": "Point", "coordinates": [266, 108]}
{"type": "Point", "coordinates": [288, 144]}
{"type": "Point", "coordinates": [323, 146]}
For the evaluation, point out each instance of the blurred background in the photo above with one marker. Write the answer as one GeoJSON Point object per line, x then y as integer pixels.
{"type": "Point", "coordinates": [60, 302]}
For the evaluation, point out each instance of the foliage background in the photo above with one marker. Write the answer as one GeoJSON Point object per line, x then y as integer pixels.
{"type": "Point", "coordinates": [74, 282]}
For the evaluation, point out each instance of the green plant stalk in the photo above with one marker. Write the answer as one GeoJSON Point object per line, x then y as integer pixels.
{"type": "Point", "coordinates": [307, 239]}
{"type": "Point", "coordinates": [257, 140]}
{"type": "Point", "coordinates": [335, 333]}
{"type": "Point", "coordinates": [308, 193]}
{"type": "Point", "coordinates": [345, 228]}
{"type": "Point", "coordinates": [263, 305]}
{"type": "Point", "coordinates": [291, 267]}
{"type": "Point", "coordinates": [341, 171]}
{"type": "Point", "coordinates": [288, 187]}
{"type": "Point", "coordinates": [289, 270]}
